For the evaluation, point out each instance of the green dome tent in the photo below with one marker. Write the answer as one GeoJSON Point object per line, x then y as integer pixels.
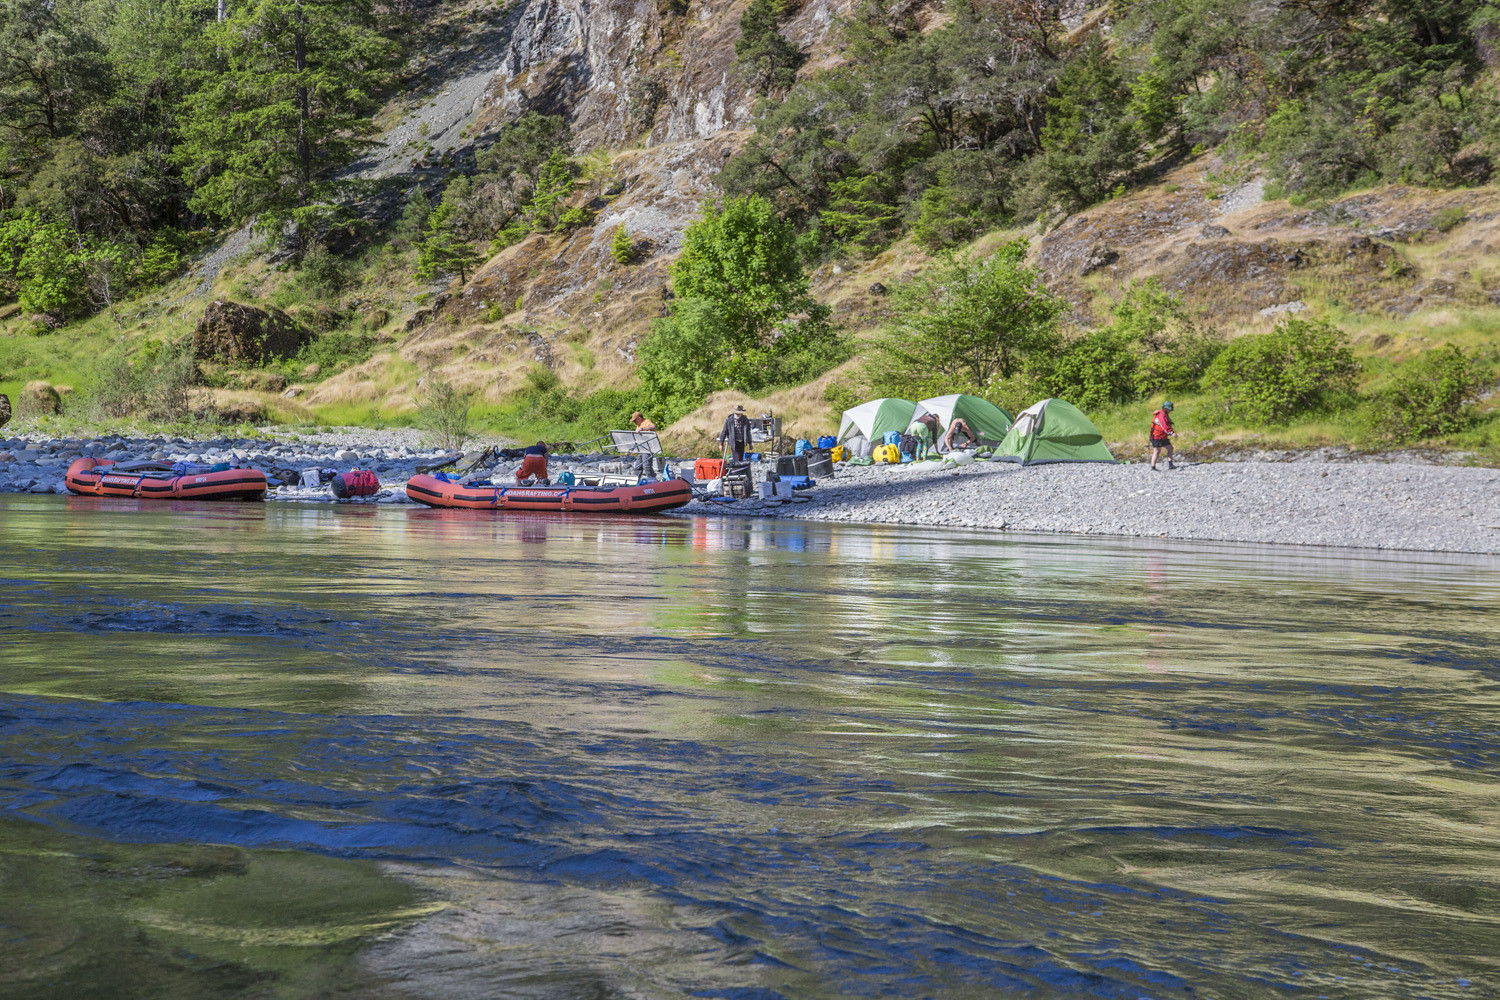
{"type": "Point", "coordinates": [864, 426]}
{"type": "Point", "coordinates": [984, 418]}
{"type": "Point", "coordinates": [1052, 431]}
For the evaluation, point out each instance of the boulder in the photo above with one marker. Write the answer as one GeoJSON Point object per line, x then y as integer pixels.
{"type": "Point", "coordinates": [374, 319]}
{"type": "Point", "coordinates": [4, 409]}
{"type": "Point", "coordinates": [40, 398]}
{"type": "Point", "coordinates": [230, 331]}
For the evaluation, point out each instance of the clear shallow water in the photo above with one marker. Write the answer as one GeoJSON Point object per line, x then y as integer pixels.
{"type": "Point", "coordinates": [270, 751]}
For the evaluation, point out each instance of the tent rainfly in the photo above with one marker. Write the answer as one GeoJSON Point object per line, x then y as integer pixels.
{"type": "Point", "coordinates": [984, 418]}
{"type": "Point", "coordinates": [865, 425]}
{"type": "Point", "coordinates": [1052, 431]}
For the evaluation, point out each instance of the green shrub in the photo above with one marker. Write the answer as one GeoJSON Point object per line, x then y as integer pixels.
{"type": "Point", "coordinates": [152, 382]}
{"type": "Point", "coordinates": [1431, 394]}
{"type": "Point", "coordinates": [323, 272]}
{"type": "Point", "coordinates": [574, 218]}
{"type": "Point", "coordinates": [332, 351]}
{"type": "Point", "coordinates": [444, 410]}
{"type": "Point", "coordinates": [1300, 366]}
{"type": "Point", "coordinates": [1449, 218]}
{"type": "Point", "coordinates": [1091, 373]}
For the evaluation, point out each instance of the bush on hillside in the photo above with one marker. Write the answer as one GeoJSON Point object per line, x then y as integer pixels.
{"type": "Point", "coordinates": [742, 317]}
{"type": "Point", "coordinates": [1173, 351]}
{"type": "Point", "coordinates": [1299, 367]}
{"type": "Point", "coordinates": [152, 382]}
{"type": "Point", "coordinates": [1429, 395]}
{"type": "Point", "coordinates": [966, 325]}
{"type": "Point", "coordinates": [1093, 372]}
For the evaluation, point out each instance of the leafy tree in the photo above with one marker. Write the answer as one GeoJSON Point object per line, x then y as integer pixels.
{"type": "Point", "coordinates": [679, 361]}
{"type": "Point", "coordinates": [1298, 367]}
{"type": "Point", "coordinates": [50, 70]}
{"type": "Point", "coordinates": [744, 259]}
{"type": "Point", "coordinates": [765, 55]}
{"type": "Point", "coordinates": [1431, 394]}
{"type": "Point", "coordinates": [1093, 372]}
{"type": "Point", "coordinates": [742, 317]}
{"type": "Point", "coordinates": [281, 109]}
{"type": "Point", "coordinates": [964, 326]}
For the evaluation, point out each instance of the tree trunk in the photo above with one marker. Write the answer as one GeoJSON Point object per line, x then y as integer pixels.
{"type": "Point", "coordinates": [304, 108]}
{"type": "Point", "coordinates": [223, 10]}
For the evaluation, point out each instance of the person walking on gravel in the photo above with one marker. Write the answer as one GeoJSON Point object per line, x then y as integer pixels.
{"type": "Point", "coordinates": [1162, 433]}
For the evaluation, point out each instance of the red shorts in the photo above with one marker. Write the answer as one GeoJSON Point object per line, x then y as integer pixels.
{"type": "Point", "coordinates": [532, 465]}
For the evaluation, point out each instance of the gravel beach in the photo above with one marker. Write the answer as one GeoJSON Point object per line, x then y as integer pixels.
{"type": "Point", "coordinates": [1374, 505]}
{"type": "Point", "coordinates": [1358, 504]}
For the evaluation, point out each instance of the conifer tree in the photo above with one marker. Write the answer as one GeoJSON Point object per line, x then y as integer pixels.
{"type": "Point", "coordinates": [443, 249]}
{"type": "Point", "coordinates": [284, 90]}
{"type": "Point", "coordinates": [766, 55]}
{"type": "Point", "coordinates": [622, 246]}
{"type": "Point", "coordinates": [1090, 143]}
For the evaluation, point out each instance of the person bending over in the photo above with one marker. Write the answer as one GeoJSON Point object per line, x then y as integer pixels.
{"type": "Point", "coordinates": [534, 465]}
{"type": "Point", "coordinates": [959, 428]}
{"type": "Point", "coordinates": [928, 432]}
{"type": "Point", "coordinates": [1162, 433]}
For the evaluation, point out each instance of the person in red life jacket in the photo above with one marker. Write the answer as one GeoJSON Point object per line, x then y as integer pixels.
{"type": "Point", "coordinates": [534, 465]}
{"type": "Point", "coordinates": [1161, 434]}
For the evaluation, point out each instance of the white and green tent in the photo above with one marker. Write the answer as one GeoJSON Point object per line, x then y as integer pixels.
{"type": "Point", "coordinates": [984, 418]}
{"type": "Point", "coordinates": [1052, 431]}
{"type": "Point", "coordinates": [866, 425]}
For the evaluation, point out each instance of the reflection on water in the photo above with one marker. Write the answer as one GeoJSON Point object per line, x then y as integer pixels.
{"type": "Point", "coordinates": [278, 751]}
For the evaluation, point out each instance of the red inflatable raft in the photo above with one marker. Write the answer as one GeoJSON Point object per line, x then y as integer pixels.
{"type": "Point", "coordinates": [155, 481]}
{"type": "Point", "coordinates": [643, 499]}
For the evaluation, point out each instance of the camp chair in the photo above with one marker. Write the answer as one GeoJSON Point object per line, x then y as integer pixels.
{"type": "Point", "coordinates": [634, 443]}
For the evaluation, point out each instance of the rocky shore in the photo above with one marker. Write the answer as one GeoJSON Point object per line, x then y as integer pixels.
{"type": "Point", "coordinates": [1374, 505]}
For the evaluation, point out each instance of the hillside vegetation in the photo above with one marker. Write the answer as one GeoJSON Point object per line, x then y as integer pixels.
{"type": "Point", "coordinates": [1280, 214]}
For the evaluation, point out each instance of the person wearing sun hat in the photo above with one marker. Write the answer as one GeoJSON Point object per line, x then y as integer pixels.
{"type": "Point", "coordinates": [1161, 434]}
{"type": "Point", "coordinates": [736, 433]}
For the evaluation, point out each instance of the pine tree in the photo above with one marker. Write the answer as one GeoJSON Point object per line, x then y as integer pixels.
{"type": "Point", "coordinates": [1090, 143]}
{"type": "Point", "coordinates": [281, 109]}
{"type": "Point", "coordinates": [764, 53]}
{"type": "Point", "coordinates": [622, 246]}
{"type": "Point", "coordinates": [443, 249]}
{"type": "Point", "coordinates": [554, 182]}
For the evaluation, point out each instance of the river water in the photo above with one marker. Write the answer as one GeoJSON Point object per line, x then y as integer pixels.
{"type": "Point", "coordinates": [297, 751]}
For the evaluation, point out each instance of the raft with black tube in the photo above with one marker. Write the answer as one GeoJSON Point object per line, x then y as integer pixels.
{"type": "Point", "coordinates": [645, 498]}
{"type": "Point", "coordinates": [99, 477]}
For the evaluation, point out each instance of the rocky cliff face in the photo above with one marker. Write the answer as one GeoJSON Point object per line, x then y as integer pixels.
{"type": "Point", "coordinates": [653, 90]}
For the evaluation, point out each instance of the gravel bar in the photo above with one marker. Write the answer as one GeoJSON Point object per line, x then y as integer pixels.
{"type": "Point", "coordinates": [1360, 505]}
{"type": "Point", "coordinates": [1372, 505]}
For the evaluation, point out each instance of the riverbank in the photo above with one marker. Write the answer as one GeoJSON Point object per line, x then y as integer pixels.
{"type": "Point", "coordinates": [1373, 505]}
{"type": "Point", "coordinates": [1402, 505]}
